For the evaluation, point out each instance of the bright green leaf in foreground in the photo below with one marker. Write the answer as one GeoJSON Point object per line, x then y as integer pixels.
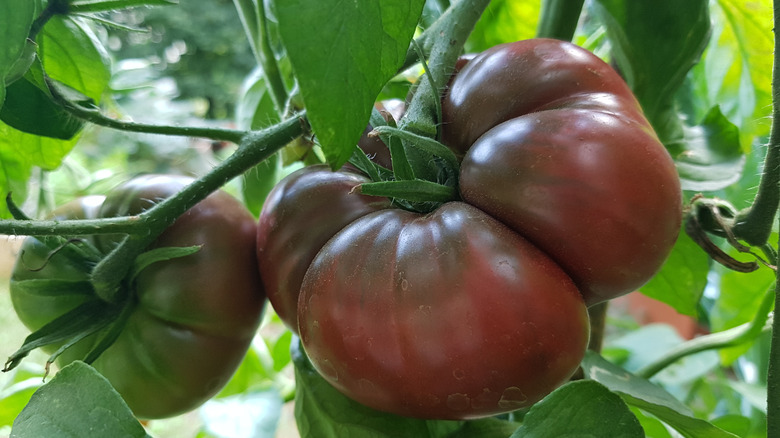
{"type": "Point", "coordinates": [649, 397]}
{"type": "Point", "coordinates": [578, 409]}
{"type": "Point", "coordinates": [343, 53]}
{"type": "Point", "coordinates": [79, 403]}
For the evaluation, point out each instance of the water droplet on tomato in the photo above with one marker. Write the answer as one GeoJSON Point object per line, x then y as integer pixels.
{"type": "Point", "coordinates": [512, 398]}
{"type": "Point", "coordinates": [329, 370]}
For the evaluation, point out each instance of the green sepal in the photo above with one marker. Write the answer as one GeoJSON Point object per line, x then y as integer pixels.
{"type": "Point", "coordinates": [160, 255]}
{"type": "Point", "coordinates": [79, 322]}
{"type": "Point", "coordinates": [360, 160]}
{"type": "Point", "coordinates": [112, 333]}
{"type": "Point", "coordinates": [48, 287]}
{"type": "Point", "coordinates": [414, 190]}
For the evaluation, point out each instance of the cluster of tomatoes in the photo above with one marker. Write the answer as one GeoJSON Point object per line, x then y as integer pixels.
{"type": "Point", "coordinates": [566, 199]}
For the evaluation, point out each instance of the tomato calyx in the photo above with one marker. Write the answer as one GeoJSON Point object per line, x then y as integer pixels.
{"type": "Point", "coordinates": [93, 316]}
{"type": "Point", "coordinates": [424, 172]}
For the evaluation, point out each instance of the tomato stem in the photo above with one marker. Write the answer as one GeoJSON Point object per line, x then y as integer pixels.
{"type": "Point", "coordinates": [754, 224]}
{"type": "Point", "coordinates": [444, 40]}
{"type": "Point", "coordinates": [93, 115]}
{"type": "Point", "coordinates": [559, 19]}
{"type": "Point", "coordinates": [727, 338]}
{"type": "Point", "coordinates": [254, 148]}
{"type": "Point", "coordinates": [268, 61]}
{"type": "Point", "coordinates": [758, 220]}
{"type": "Point", "coordinates": [598, 321]}
{"type": "Point", "coordinates": [53, 8]}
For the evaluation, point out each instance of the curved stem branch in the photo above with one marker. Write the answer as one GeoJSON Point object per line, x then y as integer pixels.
{"type": "Point", "coordinates": [93, 115]}
{"type": "Point", "coordinates": [254, 148]}
{"type": "Point", "coordinates": [76, 227]}
{"type": "Point", "coordinates": [754, 225]}
{"type": "Point", "coordinates": [444, 40]}
{"type": "Point", "coordinates": [54, 7]}
{"type": "Point", "coordinates": [728, 338]}
{"type": "Point", "coordinates": [270, 66]}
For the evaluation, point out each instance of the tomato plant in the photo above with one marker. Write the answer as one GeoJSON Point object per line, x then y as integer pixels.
{"type": "Point", "coordinates": [543, 159]}
{"type": "Point", "coordinates": [450, 314]}
{"type": "Point", "coordinates": [191, 318]}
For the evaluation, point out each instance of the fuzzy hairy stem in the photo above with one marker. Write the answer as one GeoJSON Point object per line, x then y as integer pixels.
{"type": "Point", "coordinates": [254, 148]}
{"type": "Point", "coordinates": [761, 215]}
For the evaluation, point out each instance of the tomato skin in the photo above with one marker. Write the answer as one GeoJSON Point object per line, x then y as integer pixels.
{"type": "Point", "coordinates": [565, 157]}
{"type": "Point", "coordinates": [480, 307]}
{"type": "Point", "coordinates": [415, 333]}
{"type": "Point", "coordinates": [513, 79]}
{"type": "Point", "coordinates": [300, 214]}
{"type": "Point", "coordinates": [195, 316]}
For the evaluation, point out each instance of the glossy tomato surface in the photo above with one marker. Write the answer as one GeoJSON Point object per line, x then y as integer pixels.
{"type": "Point", "coordinates": [299, 216]}
{"type": "Point", "coordinates": [449, 315]}
{"type": "Point", "coordinates": [195, 316]}
{"type": "Point", "coordinates": [556, 147]}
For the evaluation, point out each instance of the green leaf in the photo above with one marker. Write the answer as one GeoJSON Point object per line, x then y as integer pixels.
{"type": "Point", "coordinates": [321, 411]}
{"type": "Point", "coordinates": [713, 157]}
{"type": "Point", "coordinates": [736, 69]}
{"type": "Point", "coordinates": [29, 108]}
{"type": "Point", "coordinates": [504, 21]}
{"type": "Point", "coordinates": [70, 54]}
{"type": "Point", "coordinates": [681, 281]}
{"type": "Point", "coordinates": [73, 55]}
{"type": "Point", "coordinates": [579, 409]}
{"type": "Point", "coordinates": [16, 18]}
{"type": "Point", "coordinates": [342, 54]}
{"type": "Point", "coordinates": [650, 398]}
{"type": "Point", "coordinates": [25, 61]}
{"type": "Point", "coordinates": [79, 403]}
{"type": "Point", "coordinates": [247, 12]}
{"type": "Point", "coordinates": [654, 61]}
{"type": "Point", "coordinates": [14, 397]}
{"type": "Point", "coordinates": [486, 428]}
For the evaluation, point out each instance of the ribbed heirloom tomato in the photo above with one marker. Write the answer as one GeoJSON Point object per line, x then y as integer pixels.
{"type": "Point", "coordinates": [479, 307]}
{"type": "Point", "coordinates": [194, 316]}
